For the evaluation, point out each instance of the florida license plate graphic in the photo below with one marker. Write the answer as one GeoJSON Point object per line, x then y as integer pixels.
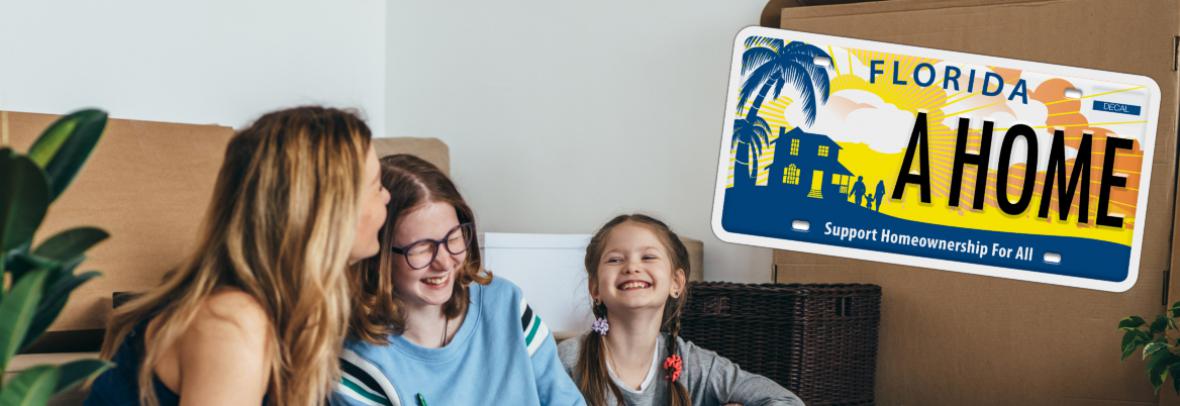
{"type": "Point", "coordinates": [937, 159]}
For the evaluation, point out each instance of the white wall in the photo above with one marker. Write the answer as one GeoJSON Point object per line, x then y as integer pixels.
{"type": "Point", "coordinates": [560, 115]}
{"type": "Point", "coordinates": [208, 61]}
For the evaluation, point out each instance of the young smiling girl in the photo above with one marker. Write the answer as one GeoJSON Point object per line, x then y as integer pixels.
{"type": "Point", "coordinates": [430, 326]}
{"type": "Point", "coordinates": [638, 269]}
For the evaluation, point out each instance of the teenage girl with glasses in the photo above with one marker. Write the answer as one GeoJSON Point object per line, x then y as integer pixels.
{"type": "Point", "coordinates": [429, 325]}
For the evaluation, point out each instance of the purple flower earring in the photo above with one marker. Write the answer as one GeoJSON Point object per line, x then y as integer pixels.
{"type": "Point", "coordinates": [601, 325]}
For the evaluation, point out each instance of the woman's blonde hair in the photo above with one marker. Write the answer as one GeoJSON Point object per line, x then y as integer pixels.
{"type": "Point", "coordinates": [280, 228]}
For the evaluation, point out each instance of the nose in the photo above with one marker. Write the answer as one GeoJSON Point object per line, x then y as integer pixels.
{"type": "Point", "coordinates": [632, 266]}
{"type": "Point", "coordinates": [444, 260]}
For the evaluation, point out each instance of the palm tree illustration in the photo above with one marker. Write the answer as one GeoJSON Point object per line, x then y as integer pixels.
{"type": "Point", "coordinates": [752, 131]}
{"type": "Point", "coordinates": [769, 64]}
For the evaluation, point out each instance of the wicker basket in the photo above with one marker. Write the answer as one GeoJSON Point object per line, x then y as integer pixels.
{"type": "Point", "coordinates": [819, 341]}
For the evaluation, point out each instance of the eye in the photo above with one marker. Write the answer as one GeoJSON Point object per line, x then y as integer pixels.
{"type": "Point", "coordinates": [650, 257]}
{"type": "Point", "coordinates": [614, 260]}
{"type": "Point", "coordinates": [421, 248]}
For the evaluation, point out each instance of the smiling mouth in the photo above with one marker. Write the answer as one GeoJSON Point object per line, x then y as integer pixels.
{"type": "Point", "coordinates": [634, 285]}
{"type": "Point", "coordinates": [436, 281]}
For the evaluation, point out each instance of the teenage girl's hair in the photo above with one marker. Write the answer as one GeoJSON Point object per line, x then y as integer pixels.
{"type": "Point", "coordinates": [279, 228]}
{"type": "Point", "coordinates": [591, 372]}
{"type": "Point", "coordinates": [377, 309]}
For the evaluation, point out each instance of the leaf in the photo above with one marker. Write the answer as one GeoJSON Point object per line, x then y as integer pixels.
{"type": "Point", "coordinates": [1131, 322]}
{"type": "Point", "coordinates": [66, 145]}
{"type": "Point", "coordinates": [76, 372]}
{"type": "Point", "coordinates": [1132, 340]}
{"type": "Point", "coordinates": [51, 140]}
{"type": "Point", "coordinates": [1157, 367]}
{"type": "Point", "coordinates": [70, 243]}
{"type": "Point", "coordinates": [33, 387]}
{"type": "Point", "coordinates": [1174, 310]}
{"type": "Point", "coordinates": [1158, 326]}
{"type": "Point", "coordinates": [24, 197]}
{"type": "Point", "coordinates": [16, 312]}
{"type": "Point", "coordinates": [1153, 348]}
{"type": "Point", "coordinates": [53, 301]}
{"type": "Point", "coordinates": [22, 263]}
{"type": "Point", "coordinates": [1175, 371]}
{"type": "Point", "coordinates": [772, 43]}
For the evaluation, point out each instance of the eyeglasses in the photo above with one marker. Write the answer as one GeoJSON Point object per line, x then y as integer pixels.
{"type": "Point", "coordinates": [419, 254]}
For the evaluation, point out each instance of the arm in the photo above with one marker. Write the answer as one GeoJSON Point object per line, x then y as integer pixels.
{"type": "Point", "coordinates": [223, 354]}
{"type": "Point", "coordinates": [733, 385]}
{"type": "Point", "coordinates": [362, 383]}
{"type": "Point", "coordinates": [554, 386]}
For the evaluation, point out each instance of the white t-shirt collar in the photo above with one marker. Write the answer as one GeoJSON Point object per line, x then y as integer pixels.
{"type": "Point", "coordinates": [651, 373]}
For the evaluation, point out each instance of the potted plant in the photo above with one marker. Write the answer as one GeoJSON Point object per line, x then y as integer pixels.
{"type": "Point", "coordinates": [36, 280]}
{"type": "Point", "coordinates": [1159, 350]}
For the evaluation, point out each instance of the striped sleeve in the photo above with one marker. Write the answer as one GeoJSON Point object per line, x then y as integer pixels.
{"type": "Point", "coordinates": [535, 331]}
{"type": "Point", "coordinates": [362, 383]}
{"type": "Point", "coordinates": [554, 386]}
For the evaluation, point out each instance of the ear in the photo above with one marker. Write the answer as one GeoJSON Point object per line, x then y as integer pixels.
{"type": "Point", "coordinates": [679, 280]}
{"type": "Point", "coordinates": [592, 286]}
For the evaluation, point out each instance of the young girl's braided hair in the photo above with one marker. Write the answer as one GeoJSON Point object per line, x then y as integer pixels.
{"type": "Point", "coordinates": [591, 370]}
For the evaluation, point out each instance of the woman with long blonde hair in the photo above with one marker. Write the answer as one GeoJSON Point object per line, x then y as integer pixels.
{"type": "Point", "coordinates": [258, 312]}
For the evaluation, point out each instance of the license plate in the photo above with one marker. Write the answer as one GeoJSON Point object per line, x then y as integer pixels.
{"type": "Point", "coordinates": [936, 159]}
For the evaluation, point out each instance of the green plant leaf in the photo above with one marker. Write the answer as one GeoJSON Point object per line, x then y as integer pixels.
{"type": "Point", "coordinates": [76, 372]}
{"type": "Point", "coordinates": [64, 147]}
{"type": "Point", "coordinates": [24, 197]}
{"type": "Point", "coordinates": [1131, 322]}
{"type": "Point", "coordinates": [33, 387]}
{"type": "Point", "coordinates": [1157, 367]}
{"type": "Point", "coordinates": [1159, 325]}
{"type": "Point", "coordinates": [1154, 347]}
{"type": "Point", "coordinates": [53, 301]}
{"type": "Point", "coordinates": [22, 263]}
{"type": "Point", "coordinates": [17, 311]}
{"type": "Point", "coordinates": [1133, 339]}
{"type": "Point", "coordinates": [1174, 370]}
{"type": "Point", "coordinates": [51, 140]}
{"type": "Point", "coordinates": [70, 243]}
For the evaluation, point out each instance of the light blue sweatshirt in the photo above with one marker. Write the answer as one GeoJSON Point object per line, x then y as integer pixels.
{"type": "Point", "coordinates": [502, 354]}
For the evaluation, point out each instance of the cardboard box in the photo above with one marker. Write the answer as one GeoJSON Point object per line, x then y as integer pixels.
{"type": "Point", "coordinates": [148, 184]}
{"type": "Point", "coordinates": [956, 339]}
{"type": "Point", "coordinates": [432, 150]}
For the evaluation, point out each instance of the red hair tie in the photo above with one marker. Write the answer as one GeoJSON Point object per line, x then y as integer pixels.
{"type": "Point", "coordinates": [673, 365]}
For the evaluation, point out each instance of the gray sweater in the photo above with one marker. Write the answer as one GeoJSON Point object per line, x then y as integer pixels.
{"type": "Point", "coordinates": [710, 379]}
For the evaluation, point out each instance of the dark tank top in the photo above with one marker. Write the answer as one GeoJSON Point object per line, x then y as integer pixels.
{"type": "Point", "coordinates": [119, 386]}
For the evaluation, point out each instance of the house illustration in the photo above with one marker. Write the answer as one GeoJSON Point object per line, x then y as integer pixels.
{"type": "Point", "coordinates": [808, 164]}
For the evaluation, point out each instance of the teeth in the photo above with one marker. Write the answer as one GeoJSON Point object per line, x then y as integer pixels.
{"type": "Point", "coordinates": [438, 280]}
{"type": "Point", "coordinates": [634, 285]}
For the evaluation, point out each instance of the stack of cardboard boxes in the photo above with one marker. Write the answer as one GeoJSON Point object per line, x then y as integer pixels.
{"type": "Point", "coordinates": [957, 339]}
